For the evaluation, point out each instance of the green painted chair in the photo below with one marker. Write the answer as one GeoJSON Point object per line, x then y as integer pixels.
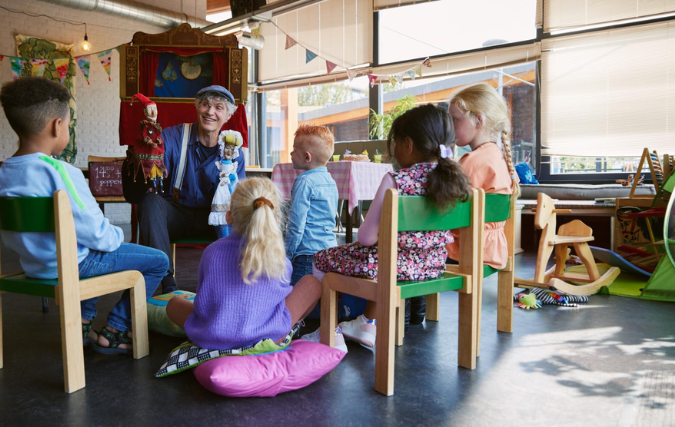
{"type": "Point", "coordinates": [53, 215]}
{"type": "Point", "coordinates": [413, 213]}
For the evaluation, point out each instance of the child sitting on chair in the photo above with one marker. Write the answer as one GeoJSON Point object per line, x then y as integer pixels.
{"type": "Point", "coordinates": [314, 199]}
{"type": "Point", "coordinates": [243, 294]}
{"type": "Point", "coordinates": [481, 120]}
{"type": "Point", "coordinates": [419, 140]}
{"type": "Point", "coordinates": [37, 109]}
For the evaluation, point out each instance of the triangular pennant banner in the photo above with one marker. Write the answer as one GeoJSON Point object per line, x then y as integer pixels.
{"type": "Point", "coordinates": [418, 70]}
{"type": "Point", "coordinates": [38, 66]}
{"type": "Point", "coordinates": [84, 63]}
{"type": "Point", "coordinates": [256, 31]}
{"type": "Point", "coordinates": [392, 80]}
{"type": "Point", "coordinates": [330, 66]}
{"type": "Point", "coordinates": [427, 62]}
{"type": "Point", "coordinates": [372, 78]}
{"type": "Point", "coordinates": [290, 42]}
{"type": "Point", "coordinates": [351, 74]}
{"type": "Point", "coordinates": [411, 74]}
{"type": "Point", "coordinates": [106, 59]}
{"type": "Point", "coordinates": [61, 65]}
{"type": "Point", "coordinates": [309, 55]}
{"type": "Point", "coordinates": [17, 66]}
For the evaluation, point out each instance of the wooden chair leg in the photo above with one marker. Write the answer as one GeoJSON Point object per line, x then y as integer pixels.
{"type": "Point", "coordinates": [400, 322]}
{"type": "Point", "coordinates": [478, 300]}
{"type": "Point", "coordinates": [1, 352]}
{"type": "Point", "coordinates": [328, 315]}
{"type": "Point", "coordinates": [433, 307]}
{"type": "Point", "coordinates": [173, 258]}
{"type": "Point", "coordinates": [139, 319]}
{"type": "Point", "coordinates": [468, 320]}
{"type": "Point", "coordinates": [71, 338]}
{"type": "Point", "coordinates": [505, 300]}
{"type": "Point", "coordinates": [384, 344]}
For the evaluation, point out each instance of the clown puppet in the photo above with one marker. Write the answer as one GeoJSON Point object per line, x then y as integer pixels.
{"type": "Point", "coordinates": [148, 149]}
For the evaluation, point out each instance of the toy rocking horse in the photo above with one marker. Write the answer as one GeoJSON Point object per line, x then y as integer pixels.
{"type": "Point", "coordinates": [576, 234]}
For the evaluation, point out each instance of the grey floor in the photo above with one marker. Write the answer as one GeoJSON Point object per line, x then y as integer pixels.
{"type": "Point", "coordinates": [606, 363]}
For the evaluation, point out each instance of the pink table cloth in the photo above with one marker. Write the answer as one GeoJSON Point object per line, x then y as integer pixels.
{"type": "Point", "coordinates": [355, 180]}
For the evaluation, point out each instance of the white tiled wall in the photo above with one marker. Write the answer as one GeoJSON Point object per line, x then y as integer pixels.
{"type": "Point", "coordinates": [97, 103]}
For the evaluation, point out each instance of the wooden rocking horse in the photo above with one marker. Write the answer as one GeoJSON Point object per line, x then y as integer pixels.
{"type": "Point", "coordinates": [576, 234]}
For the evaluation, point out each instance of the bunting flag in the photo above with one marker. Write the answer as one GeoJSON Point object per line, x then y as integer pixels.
{"type": "Point", "coordinates": [392, 80]}
{"type": "Point", "coordinates": [426, 62]}
{"type": "Point", "coordinates": [351, 74]}
{"type": "Point", "coordinates": [309, 55]}
{"type": "Point", "coordinates": [418, 70]}
{"type": "Point", "coordinates": [372, 78]}
{"type": "Point", "coordinates": [256, 31]}
{"type": "Point", "coordinates": [1, 58]}
{"type": "Point", "coordinates": [38, 66]}
{"type": "Point", "coordinates": [17, 66]}
{"type": "Point", "coordinates": [290, 42]}
{"type": "Point", "coordinates": [61, 65]}
{"type": "Point", "coordinates": [411, 74]}
{"type": "Point", "coordinates": [330, 66]}
{"type": "Point", "coordinates": [84, 63]}
{"type": "Point", "coordinates": [106, 58]}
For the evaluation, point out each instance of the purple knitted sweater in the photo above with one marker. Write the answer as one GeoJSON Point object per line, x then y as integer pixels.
{"type": "Point", "coordinates": [229, 313]}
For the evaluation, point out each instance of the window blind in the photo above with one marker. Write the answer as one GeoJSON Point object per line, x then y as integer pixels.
{"type": "Point", "coordinates": [387, 4]}
{"type": "Point", "coordinates": [339, 31]}
{"type": "Point", "coordinates": [562, 14]}
{"type": "Point", "coordinates": [609, 93]}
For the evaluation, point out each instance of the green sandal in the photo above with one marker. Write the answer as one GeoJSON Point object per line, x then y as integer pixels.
{"type": "Point", "coordinates": [115, 339]}
{"type": "Point", "coordinates": [86, 341]}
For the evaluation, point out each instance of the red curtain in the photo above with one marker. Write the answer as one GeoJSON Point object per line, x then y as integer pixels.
{"type": "Point", "coordinates": [170, 114]}
{"type": "Point", "coordinates": [148, 72]}
{"type": "Point", "coordinates": [220, 67]}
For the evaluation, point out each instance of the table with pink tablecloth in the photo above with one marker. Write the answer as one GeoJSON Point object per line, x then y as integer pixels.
{"type": "Point", "coordinates": [356, 181]}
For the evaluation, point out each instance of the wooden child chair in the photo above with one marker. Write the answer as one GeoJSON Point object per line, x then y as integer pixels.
{"type": "Point", "coordinates": [53, 214]}
{"type": "Point", "coordinates": [575, 234]}
{"type": "Point", "coordinates": [413, 213]}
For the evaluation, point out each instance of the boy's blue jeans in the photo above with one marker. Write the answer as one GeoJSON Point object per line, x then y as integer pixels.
{"type": "Point", "coordinates": [152, 263]}
{"type": "Point", "coordinates": [302, 266]}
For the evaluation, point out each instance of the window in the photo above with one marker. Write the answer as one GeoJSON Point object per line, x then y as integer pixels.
{"type": "Point", "coordinates": [442, 27]}
{"type": "Point", "coordinates": [342, 106]}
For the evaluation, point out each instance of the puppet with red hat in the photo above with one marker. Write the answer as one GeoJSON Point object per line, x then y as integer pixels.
{"type": "Point", "coordinates": [148, 148]}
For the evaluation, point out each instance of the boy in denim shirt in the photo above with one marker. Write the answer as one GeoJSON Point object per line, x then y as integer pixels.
{"type": "Point", "coordinates": [314, 199]}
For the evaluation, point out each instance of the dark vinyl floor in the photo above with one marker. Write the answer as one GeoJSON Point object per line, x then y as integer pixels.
{"type": "Point", "coordinates": [606, 363]}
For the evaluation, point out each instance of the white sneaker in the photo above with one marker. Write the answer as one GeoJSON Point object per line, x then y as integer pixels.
{"type": "Point", "coordinates": [361, 330]}
{"type": "Point", "coordinates": [339, 338]}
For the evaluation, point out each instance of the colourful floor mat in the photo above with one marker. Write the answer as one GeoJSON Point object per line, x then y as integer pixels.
{"type": "Point", "coordinates": [626, 285]}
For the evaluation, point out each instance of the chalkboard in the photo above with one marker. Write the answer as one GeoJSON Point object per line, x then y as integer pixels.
{"type": "Point", "coordinates": [105, 179]}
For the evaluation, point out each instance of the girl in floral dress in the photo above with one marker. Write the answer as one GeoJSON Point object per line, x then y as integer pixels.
{"type": "Point", "coordinates": [420, 141]}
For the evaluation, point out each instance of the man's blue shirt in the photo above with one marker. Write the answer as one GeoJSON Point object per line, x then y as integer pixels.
{"type": "Point", "coordinates": [311, 218]}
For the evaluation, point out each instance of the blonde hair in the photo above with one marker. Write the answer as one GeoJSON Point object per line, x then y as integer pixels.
{"type": "Point", "coordinates": [320, 141]}
{"type": "Point", "coordinates": [256, 213]}
{"type": "Point", "coordinates": [482, 99]}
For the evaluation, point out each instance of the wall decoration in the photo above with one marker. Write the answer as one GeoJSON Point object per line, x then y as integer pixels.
{"type": "Point", "coordinates": [29, 47]}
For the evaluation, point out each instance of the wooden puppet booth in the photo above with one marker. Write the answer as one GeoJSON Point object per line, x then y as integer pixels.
{"type": "Point", "coordinates": [170, 68]}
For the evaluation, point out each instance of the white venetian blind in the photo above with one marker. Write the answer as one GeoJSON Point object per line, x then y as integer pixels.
{"type": "Point", "coordinates": [339, 31]}
{"type": "Point", "coordinates": [469, 62]}
{"type": "Point", "coordinates": [561, 14]}
{"type": "Point", "coordinates": [609, 93]}
{"type": "Point", "coordinates": [388, 4]}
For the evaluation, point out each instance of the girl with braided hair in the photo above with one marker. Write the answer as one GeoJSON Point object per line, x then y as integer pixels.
{"type": "Point", "coordinates": [481, 121]}
{"type": "Point", "coordinates": [244, 293]}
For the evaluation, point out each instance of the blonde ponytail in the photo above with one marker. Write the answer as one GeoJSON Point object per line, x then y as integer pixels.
{"type": "Point", "coordinates": [256, 213]}
{"type": "Point", "coordinates": [508, 156]}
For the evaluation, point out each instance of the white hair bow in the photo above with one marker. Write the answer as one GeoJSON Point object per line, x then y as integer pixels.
{"type": "Point", "coordinates": [445, 152]}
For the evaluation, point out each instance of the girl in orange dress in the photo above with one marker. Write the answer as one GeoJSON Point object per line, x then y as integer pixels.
{"type": "Point", "coordinates": [481, 121]}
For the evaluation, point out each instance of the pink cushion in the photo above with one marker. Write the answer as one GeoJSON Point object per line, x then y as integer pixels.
{"type": "Point", "coordinates": [267, 375]}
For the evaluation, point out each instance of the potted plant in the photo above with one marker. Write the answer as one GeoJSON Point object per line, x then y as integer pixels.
{"type": "Point", "coordinates": [380, 124]}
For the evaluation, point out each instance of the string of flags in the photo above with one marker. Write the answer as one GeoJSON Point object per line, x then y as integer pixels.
{"type": "Point", "coordinates": [61, 64]}
{"type": "Point", "coordinates": [394, 79]}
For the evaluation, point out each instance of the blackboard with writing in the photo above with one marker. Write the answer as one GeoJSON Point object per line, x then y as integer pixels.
{"type": "Point", "coordinates": [105, 179]}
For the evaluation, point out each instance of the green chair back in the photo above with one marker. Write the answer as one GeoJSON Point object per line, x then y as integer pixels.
{"type": "Point", "coordinates": [419, 213]}
{"type": "Point", "coordinates": [497, 209]}
{"type": "Point", "coordinates": [27, 214]}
